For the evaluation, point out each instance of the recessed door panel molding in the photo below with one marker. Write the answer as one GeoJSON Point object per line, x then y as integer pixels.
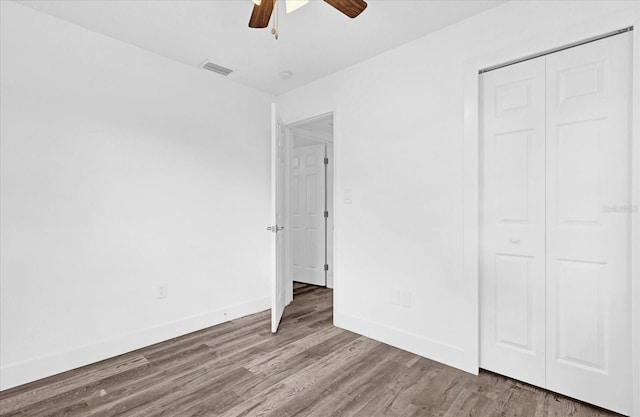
{"type": "Point", "coordinates": [311, 192]}
{"type": "Point", "coordinates": [580, 168]}
{"type": "Point", "coordinates": [588, 277]}
{"type": "Point", "coordinates": [580, 299]}
{"type": "Point", "coordinates": [555, 258]}
{"type": "Point", "coordinates": [513, 97]}
{"type": "Point", "coordinates": [311, 160]}
{"type": "Point", "coordinates": [307, 222]}
{"type": "Point", "coordinates": [512, 155]}
{"type": "Point", "coordinates": [512, 293]}
{"type": "Point", "coordinates": [295, 193]}
{"type": "Point", "coordinates": [585, 81]}
{"type": "Point", "coordinates": [314, 253]}
{"type": "Point", "coordinates": [514, 302]}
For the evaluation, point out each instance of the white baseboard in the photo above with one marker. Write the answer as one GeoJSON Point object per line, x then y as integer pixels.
{"type": "Point", "coordinates": [30, 370]}
{"type": "Point", "coordinates": [432, 349]}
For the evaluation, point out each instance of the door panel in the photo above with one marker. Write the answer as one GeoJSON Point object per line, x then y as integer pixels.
{"type": "Point", "coordinates": [513, 285]}
{"type": "Point", "coordinates": [512, 151]}
{"type": "Point", "coordinates": [578, 172]}
{"type": "Point", "coordinates": [307, 214]}
{"type": "Point", "coordinates": [514, 302]}
{"type": "Point", "coordinates": [555, 304]}
{"type": "Point", "coordinates": [278, 184]}
{"type": "Point", "coordinates": [581, 322]}
{"type": "Point", "coordinates": [588, 277]}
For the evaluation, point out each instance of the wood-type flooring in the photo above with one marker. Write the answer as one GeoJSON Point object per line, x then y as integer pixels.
{"type": "Point", "coordinates": [309, 368]}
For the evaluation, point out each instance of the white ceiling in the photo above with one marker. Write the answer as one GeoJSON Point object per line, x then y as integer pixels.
{"type": "Point", "coordinates": [315, 40]}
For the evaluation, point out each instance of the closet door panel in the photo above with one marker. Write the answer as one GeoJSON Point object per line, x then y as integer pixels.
{"type": "Point", "coordinates": [588, 227]}
{"type": "Point", "coordinates": [512, 259]}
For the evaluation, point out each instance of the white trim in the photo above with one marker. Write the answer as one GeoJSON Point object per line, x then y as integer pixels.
{"type": "Point", "coordinates": [292, 127]}
{"type": "Point", "coordinates": [635, 218]}
{"type": "Point", "coordinates": [337, 186]}
{"type": "Point", "coordinates": [471, 174]}
{"type": "Point", "coordinates": [331, 207]}
{"type": "Point", "coordinates": [19, 373]}
{"type": "Point", "coordinates": [288, 137]}
{"type": "Point", "coordinates": [429, 348]}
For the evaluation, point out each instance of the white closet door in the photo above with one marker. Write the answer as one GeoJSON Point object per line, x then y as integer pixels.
{"type": "Point", "coordinates": [588, 223]}
{"type": "Point", "coordinates": [512, 310]}
{"type": "Point", "coordinates": [307, 214]}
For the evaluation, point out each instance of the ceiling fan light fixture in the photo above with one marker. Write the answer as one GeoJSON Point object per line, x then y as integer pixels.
{"type": "Point", "coordinates": [293, 5]}
{"type": "Point", "coordinates": [263, 10]}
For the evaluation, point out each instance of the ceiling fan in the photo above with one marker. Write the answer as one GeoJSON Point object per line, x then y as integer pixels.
{"type": "Point", "coordinates": [263, 9]}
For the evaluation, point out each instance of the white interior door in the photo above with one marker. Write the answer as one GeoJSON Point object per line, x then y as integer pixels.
{"type": "Point", "coordinates": [513, 217]}
{"type": "Point", "coordinates": [588, 239]}
{"type": "Point", "coordinates": [278, 187]}
{"type": "Point", "coordinates": [307, 214]}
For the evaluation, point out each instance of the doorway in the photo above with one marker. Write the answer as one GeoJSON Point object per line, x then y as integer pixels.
{"type": "Point", "coordinates": [310, 219]}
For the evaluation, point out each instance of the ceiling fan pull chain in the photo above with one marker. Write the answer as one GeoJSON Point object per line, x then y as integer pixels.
{"type": "Point", "coordinates": [274, 14]}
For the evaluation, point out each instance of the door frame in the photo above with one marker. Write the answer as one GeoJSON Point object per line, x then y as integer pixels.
{"type": "Point", "coordinates": [471, 171]}
{"type": "Point", "coordinates": [319, 146]}
{"type": "Point", "coordinates": [289, 127]}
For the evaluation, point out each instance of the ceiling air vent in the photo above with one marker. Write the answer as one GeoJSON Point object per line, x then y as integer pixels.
{"type": "Point", "coordinates": [208, 65]}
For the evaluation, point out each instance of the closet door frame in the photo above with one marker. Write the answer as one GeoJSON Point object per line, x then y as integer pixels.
{"type": "Point", "coordinates": [471, 175]}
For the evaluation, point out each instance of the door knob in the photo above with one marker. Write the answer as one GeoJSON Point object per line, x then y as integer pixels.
{"type": "Point", "coordinates": [275, 229]}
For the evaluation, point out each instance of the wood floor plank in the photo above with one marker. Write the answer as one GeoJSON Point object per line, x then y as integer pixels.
{"type": "Point", "coordinates": [469, 403]}
{"type": "Point", "coordinates": [268, 362]}
{"type": "Point", "coordinates": [79, 379]}
{"type": "Point", "coordinates": [309, 368]}
{"type": "Point", "coordinates": [353, 376]}
{"type": "Point", "coordinates": [266, 402]}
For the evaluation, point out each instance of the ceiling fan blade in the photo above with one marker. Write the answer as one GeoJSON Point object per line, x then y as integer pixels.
{"type": "Point", "coordinates": [351, 8]}
{"type": "Point", "coordinates": [261, 14]}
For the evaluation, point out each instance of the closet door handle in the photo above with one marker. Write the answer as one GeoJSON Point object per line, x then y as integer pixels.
{"type": "Point", "coordinates": [514, 240]}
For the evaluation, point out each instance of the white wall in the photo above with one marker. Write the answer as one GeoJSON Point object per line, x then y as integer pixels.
{"type": "Point", "coordinates": [399, 128]}
{"type": "Point", "coordinates": [121, 170]}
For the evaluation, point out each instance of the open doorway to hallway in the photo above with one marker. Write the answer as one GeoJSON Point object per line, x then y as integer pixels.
{"type": "Point", "coordinates": [311, 201]}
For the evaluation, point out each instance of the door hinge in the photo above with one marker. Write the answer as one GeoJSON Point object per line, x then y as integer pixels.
{"type": "Point", "coordinates": [326, 267]}
{"type": "Point", "coordinates": [326, 161]}
{"type": "Point", "coordinates": [326, 214]}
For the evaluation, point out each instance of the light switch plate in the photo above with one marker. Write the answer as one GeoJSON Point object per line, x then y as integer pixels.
{"type": "Point", "coordinates": [347, 196]}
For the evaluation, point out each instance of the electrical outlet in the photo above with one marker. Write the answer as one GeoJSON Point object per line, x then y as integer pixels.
{"type": "Point", "coordinates": [162, 291]}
